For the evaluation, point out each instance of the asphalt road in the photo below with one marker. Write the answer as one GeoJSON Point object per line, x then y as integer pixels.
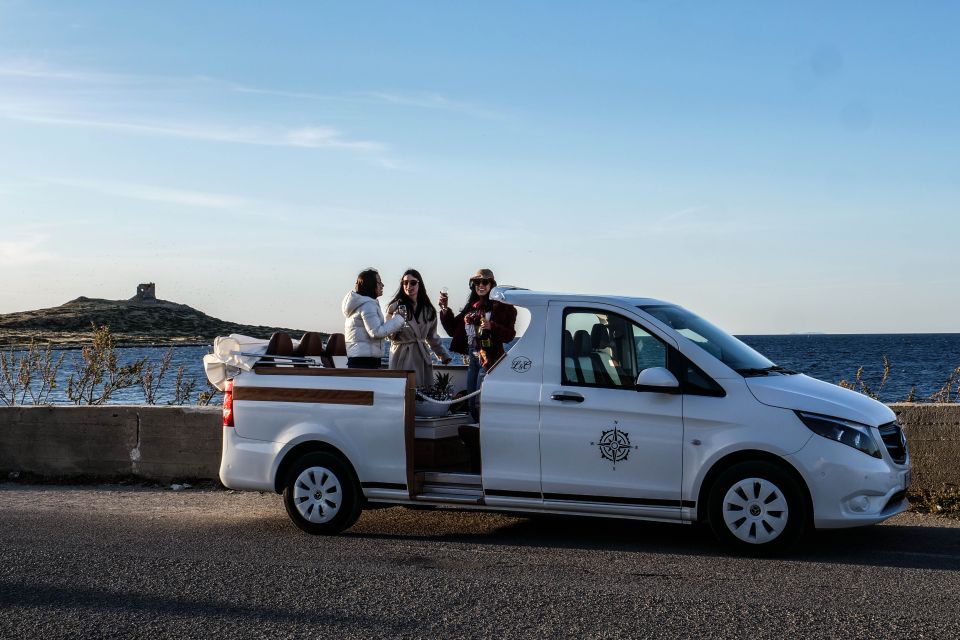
{"type": "Point", "coordinates": [123, 561]}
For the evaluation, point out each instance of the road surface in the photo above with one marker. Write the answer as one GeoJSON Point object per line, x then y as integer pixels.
{"type": "Point", "coordinates": [129, 561]}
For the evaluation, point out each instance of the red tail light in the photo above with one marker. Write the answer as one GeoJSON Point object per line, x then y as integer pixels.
{"type": "Point", "coordinates": [228, 404]}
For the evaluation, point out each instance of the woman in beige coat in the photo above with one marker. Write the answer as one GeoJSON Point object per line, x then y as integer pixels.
{"type": "Point", "coordinates": [408, 346]}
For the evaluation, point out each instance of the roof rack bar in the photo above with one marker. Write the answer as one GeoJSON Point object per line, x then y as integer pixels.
{"type": "Point", "coordinates": [306, 360]}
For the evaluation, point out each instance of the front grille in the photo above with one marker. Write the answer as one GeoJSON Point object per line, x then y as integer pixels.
{"type": "Point", "coordinates": [892, 436]}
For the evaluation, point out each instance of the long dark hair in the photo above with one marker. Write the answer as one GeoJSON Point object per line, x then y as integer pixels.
{"type": "Point", "coordinates": [421, 305]}
{"type": "Point", "coordinates": [367, 283]}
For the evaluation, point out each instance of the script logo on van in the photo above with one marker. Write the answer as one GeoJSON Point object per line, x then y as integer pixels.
{"type": "Point", "coordinates": [521, 364]}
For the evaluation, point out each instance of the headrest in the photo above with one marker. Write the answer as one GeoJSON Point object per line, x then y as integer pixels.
{"type": "Point", "coordinates": [280, 345]}
{"type": "Point", "coordinates": [581, 342]}
{"type": "Point", "coordinates": [311, 344]}
{"type": "Point", "coordinates": [599, 337]}
{"type": "Point", "coordinates": [568, 348]}
{"type": "Point", "coordinates": [336, 345]}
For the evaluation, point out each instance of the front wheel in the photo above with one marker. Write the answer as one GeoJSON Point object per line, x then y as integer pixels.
{"type": "Point", "coordinates": [320, 494]}
{"type": "Point", "coordinates": [757, 508]}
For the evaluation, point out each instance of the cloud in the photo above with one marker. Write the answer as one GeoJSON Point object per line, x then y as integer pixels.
{"type": "Point", "coordinates": [38, 70]}
{"type": "Point", "coordinates": [423, 100]}
{"type": "Point", "coordinates": [156, 194]}
{"type": "Point", "coordinates": [35, 69]}
{"type": "Point", "coordinates": [39, 93]}
{"type": "Point", "coordinates": [19, 252]}
{"type": "Point", "coordinates": [429, 100]}
{"type": "Point", "coordinates": [320, 137]}
{"type": "Point", "coordinates": [304, 137]}
{"type": "Point", "coordinates": [113, 102]}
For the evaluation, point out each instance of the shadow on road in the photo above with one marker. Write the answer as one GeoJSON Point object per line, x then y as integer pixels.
{"type": "Point", "coordinates": [885, 546]}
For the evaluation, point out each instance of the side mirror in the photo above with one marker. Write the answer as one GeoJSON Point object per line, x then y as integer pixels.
{"type": "Point", "coordinates": [657, 380]}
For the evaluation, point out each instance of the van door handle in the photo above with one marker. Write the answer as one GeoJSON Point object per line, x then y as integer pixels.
{"type": "Point", "coordinates": [567, 397]}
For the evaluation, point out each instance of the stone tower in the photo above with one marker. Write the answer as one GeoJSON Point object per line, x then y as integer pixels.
{"type": "Point", "coordinates": [145, 293]}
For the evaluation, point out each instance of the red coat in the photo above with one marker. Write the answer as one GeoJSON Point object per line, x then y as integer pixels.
{"type": "Point", "coordinates": [503, 318]}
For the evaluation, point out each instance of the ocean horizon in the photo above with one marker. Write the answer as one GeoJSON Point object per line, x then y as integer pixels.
{"type": "Point", "coordinates": [919, 361]}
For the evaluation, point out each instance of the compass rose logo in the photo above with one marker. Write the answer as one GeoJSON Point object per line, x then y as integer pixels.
{"type": "Point", "coordinates": [614, 445]}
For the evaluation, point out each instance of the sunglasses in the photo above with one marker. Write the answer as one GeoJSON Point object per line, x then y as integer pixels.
{"type": "Point", "coordinates": [483, 281]}
{"type": "Point", "coordinates": [409, 283]}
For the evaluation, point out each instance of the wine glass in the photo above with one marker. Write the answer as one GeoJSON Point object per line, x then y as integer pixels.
{"type": "Point", "coordinates": [444, 296]}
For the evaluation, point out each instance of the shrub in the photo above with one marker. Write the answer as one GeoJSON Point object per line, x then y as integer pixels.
{"type": "Point", "coordinates": [153, 376]}
{"type": "Point", "coordinates": [949, 392]}
{"type": "Point", "coordinates": [30, 376]}
{"type": "Point", "coordinates": [98, 373]}
{"type": "Point", "coordinates": [859, 384]}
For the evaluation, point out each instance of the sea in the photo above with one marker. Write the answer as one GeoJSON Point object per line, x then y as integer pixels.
{"type": "Point", "coordinates": [920, 363]}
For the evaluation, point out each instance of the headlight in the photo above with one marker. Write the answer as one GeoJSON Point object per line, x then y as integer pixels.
{"type": "Point", "coordinates": [849, 433]}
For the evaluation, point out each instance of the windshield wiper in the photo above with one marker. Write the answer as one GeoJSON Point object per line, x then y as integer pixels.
{"type": "Point", "coordinates": [750, 372]}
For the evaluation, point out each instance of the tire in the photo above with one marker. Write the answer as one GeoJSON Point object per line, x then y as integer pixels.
{"type": "Point", "coordinates": [321, 495]}
{"type": "Point", "coordinates": [757, 508]}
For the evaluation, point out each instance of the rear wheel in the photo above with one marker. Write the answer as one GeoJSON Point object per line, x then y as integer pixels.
{"type": "Point", "coordinates": [757, 508]}
{"type": "Point", "coordinates": [321, 495]}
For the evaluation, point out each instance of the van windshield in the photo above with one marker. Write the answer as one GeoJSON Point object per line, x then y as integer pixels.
{"type": "Point", "coordinates": [718, 343]}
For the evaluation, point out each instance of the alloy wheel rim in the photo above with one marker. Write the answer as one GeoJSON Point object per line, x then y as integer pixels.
{"type": "Point", "coordinates": [317, 495]}
{"type": "Point", "coordinates": [755, 510]}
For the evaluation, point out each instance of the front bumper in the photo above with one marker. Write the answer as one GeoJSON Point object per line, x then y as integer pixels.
{"type": "Point", "coordinates": [849, 488]}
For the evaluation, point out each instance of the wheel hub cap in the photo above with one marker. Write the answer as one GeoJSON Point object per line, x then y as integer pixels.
{"type": "Point", "coordinates": [317, 494]}
{"type": "Point", "coordinates": [755, 510]}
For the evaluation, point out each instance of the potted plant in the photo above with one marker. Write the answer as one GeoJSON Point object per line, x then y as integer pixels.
{"type": "Point", "coordinates": [442, 390]}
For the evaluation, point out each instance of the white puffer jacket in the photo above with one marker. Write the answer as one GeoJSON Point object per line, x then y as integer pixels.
{"type": "Point", "coordinates": [364, 329]}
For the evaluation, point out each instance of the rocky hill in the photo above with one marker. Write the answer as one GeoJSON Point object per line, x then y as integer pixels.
{"type": "Point", "coordinates": [140, 320]}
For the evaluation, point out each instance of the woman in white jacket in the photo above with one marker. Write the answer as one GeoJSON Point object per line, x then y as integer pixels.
{"type": "Point", "coordinates": [365, 328]}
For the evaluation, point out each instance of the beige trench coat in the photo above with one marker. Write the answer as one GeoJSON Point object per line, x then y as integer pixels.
{"type": "Point", "coordinates": [408, 347]}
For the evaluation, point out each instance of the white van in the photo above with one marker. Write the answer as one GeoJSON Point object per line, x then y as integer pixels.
{"type": "Point", "coordinates": [606, 406]}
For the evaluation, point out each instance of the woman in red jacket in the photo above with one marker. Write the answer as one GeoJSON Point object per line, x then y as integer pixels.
{"type": "Point", "coordinates": [479, 331]}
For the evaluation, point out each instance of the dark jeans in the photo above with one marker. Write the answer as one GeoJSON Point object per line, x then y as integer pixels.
{"type": "Point", "coordinates": [475, 376]}
{"type": "Point", "coordinates": [363, 363]}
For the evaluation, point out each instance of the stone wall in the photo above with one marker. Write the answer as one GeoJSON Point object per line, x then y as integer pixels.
{"type": "Point", "coordinates": [933, 436]}
{"type": "Point", "coordinates": [181, 443]}
{"type": "Point", "coordinates": [155, 443]}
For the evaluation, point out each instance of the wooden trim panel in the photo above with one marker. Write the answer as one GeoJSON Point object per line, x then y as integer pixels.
{"type": "Point", "coordinates": [317, 396]}
{"type": "Point", "coordinates": [409, 428]}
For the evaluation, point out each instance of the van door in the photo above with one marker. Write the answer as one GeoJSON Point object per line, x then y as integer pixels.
{"type": "Point", "coordinates": [606, 447]}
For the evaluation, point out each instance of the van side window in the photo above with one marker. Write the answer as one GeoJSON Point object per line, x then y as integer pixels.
{"type": "Point", "coordinates": [603, 349]}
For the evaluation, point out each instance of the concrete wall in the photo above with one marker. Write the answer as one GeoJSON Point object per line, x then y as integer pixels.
{"type": "Point", "coordinates": [933, 436]}
{"type": "Point", "coordinates": [179, 443]}
{"type": "Point", "coordinates": [156, 443]}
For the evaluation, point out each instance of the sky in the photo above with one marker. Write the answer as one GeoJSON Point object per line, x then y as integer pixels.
{"type": "Point", "coordinates": [774, 167]}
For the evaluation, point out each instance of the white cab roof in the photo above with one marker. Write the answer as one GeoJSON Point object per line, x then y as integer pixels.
{"type": "Point", "coordinates": [528, 298]}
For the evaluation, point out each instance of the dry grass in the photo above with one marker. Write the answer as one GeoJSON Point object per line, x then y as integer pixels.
{"type": "Point", "coordinates": [948, 392]}
{"type": "Point", "coordinates": [944, 503]}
